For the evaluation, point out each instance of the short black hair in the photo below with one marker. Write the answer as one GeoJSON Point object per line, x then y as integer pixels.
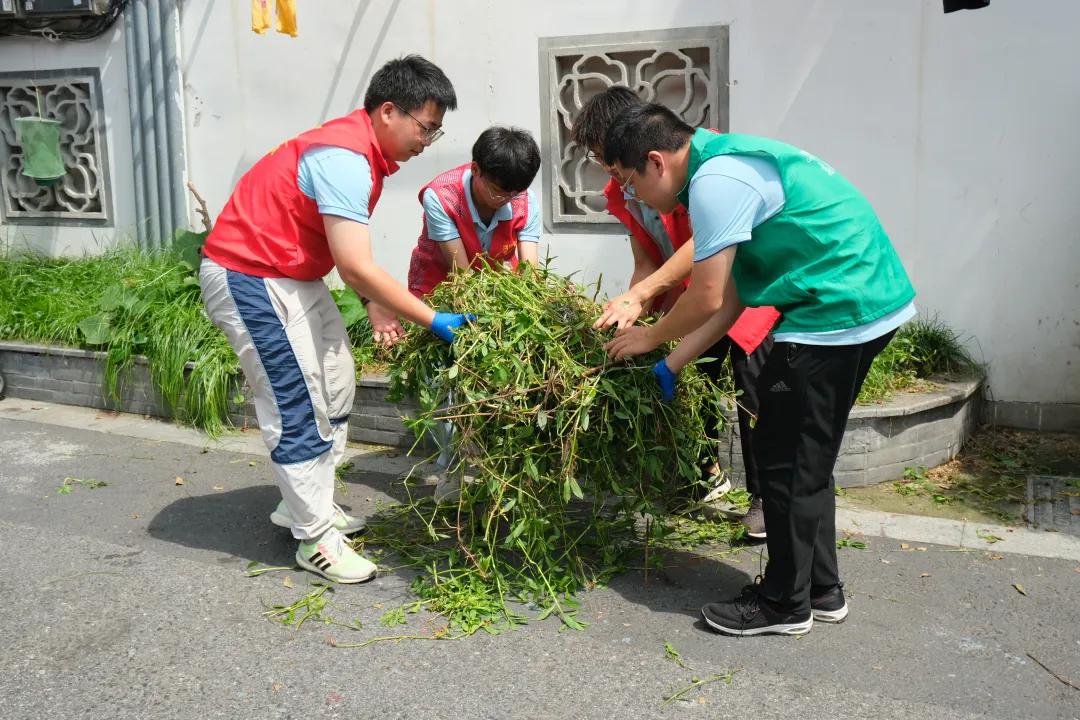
{"type": "Point", "coordinates": [410, 82]}
{"type": "Point", "coordinates": [507, 155]}
{"type": "Point", "coordinates": [597, 114]}
{"type": "Point", "coordinates": [639, 130]}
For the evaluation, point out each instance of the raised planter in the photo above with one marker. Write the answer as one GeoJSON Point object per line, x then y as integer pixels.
{"type": "Point", "coordinates": [925, 428]}
{"type": "Point", "coordinates": [77, 377]}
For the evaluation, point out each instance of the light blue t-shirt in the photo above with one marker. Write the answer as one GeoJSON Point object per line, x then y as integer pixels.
{"type": "Point", "coordinates": [653, 224]}
{"type": "Point", "coordinates": [338, 180]}
{"type": "Point", "coordinates": [442, 229]}
{"type": "Point", "coordinates": [730, 195]}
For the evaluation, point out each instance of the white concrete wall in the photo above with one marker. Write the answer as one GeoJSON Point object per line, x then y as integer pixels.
{"type": "Point", "coordinates": [107, 54]}
{"type": "Point", "coordinates": [959, 128]}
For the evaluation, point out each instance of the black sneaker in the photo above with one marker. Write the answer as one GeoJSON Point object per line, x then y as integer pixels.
{"type": "Point", "coordinates": [828, 604]}
{"type": "Point", "coordinates": [750, 614]}
{"type": "Point", "coordinates": [754, 521]}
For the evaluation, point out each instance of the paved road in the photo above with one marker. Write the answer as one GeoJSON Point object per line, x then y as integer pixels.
{"type": "Point", "coordinates": [131, 601]}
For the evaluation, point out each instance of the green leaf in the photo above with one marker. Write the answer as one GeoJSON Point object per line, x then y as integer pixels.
{"type": "Point", "coordinates": [348, 302]}
{"type": "Point", "coordinates": [572, 622]}
{"type": "Point", "coordinates": [112, 298]}
{"type": "Point", "coordinates": [187, 245]}
{"type": "Point", "coordinates": [519, 528]}
{"type": "Point", "coordinates": [452, 372]}
{"type": "Point", "coordinates": [97, 329]}
{"type": "Point", "coordinates": [575, 488]}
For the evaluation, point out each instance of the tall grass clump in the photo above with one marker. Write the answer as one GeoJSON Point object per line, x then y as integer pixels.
{"type": "Point", "coordinates": [921, 349]}
{"type": "Point", "coordinates": [126, 303]}
{"type": "Point", "coordinates": [568, 453]}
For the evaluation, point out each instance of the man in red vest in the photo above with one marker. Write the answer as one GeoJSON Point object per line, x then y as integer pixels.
{"type": "Point", "coordinates": [302, 210]}
{"type": "Point", "coordinates": [478, 211]}
{"type": "Point", "coordinates": [663, 250]}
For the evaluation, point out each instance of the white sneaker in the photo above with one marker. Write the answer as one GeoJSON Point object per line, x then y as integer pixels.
{"type": "Point", "coordinates": [343, 523]}
{"type": "Point", "coordinates": [722, 487]}
{"type": "Point", "coordinates": [331, 557]}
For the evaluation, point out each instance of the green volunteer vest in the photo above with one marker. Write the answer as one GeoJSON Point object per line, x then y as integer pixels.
{"type": "Point", "coordinates": [824, 260]}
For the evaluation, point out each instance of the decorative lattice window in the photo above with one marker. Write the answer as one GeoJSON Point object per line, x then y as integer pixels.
{"type": "Point", "coordinates": [72, 97]}
{"type": "Point", "coordinates": [685, 69]}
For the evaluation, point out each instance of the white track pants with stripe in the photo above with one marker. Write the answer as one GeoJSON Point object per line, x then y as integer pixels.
{"type": "Point", "coordinates": [295, 354]}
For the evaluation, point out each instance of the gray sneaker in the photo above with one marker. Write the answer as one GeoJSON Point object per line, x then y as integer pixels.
{"type": "Point", "coordinates": [754, 521]}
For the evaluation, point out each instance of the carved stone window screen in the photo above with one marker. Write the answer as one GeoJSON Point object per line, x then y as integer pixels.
{"type": "Point", "coordinates": [685, 69]}
{"type": "Point", "coordinates": [74, 98]}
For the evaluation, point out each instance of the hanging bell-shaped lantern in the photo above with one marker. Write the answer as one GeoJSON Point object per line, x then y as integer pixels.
{"type": "Point", "coordinates": [40, 141]}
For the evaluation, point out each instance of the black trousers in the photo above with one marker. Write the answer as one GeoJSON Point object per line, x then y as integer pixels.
{"type": "Point", "coordinates": [805, 395]}
{"type": "Point", "coordinates": [745, 370]}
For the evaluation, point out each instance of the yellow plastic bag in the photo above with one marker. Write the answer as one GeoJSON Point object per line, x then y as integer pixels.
{"type": "Point", "coordinates": [286, 17]}
{"type": "Point", "coordinates": [260, 16]}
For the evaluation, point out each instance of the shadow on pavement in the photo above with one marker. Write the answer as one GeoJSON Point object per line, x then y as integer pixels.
{"type": "Point", "coordinates": [237, 522]}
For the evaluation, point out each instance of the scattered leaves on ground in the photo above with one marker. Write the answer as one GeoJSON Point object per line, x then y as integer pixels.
{"type": "Point", "coordinates": [70, 483]}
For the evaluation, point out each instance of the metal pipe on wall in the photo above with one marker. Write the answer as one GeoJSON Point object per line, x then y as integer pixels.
{"type": "Point", "coordinates": [158, 113]}
{"type": "Point", "coordinates": [144, 91]}
{"type": "Point", "coordinates": [155, 93]}
{"type": "Point", "coordinates": [136, 133]}
{"type": "Point", "coordinates": [174, 108]}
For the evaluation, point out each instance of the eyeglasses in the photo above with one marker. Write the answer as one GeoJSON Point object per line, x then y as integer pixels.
{"type": "Point", "coordinates": [610, 170]}
{"type": "Point", "coordinates": [501, 197]}
{"type": "Point", "coordinates": [431, 134]}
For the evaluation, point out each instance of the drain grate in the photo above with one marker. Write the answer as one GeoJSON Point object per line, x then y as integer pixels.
{"type": "Point", "coordinates": [1053, 503]}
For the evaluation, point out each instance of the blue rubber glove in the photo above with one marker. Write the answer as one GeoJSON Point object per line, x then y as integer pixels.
{"type": "Point", "coordinates": [444, 324]}
{"type": "Point", "coordinates": [666, 378]}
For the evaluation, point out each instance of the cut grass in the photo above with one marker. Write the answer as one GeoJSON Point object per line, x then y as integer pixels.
{"type": "Point", "coordinates": [986, 482]}
{"type": "Point", "coordinates": [569, 450]}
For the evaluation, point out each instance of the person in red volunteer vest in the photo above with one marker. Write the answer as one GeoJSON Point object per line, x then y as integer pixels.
{"type": "Point", "coordinates": [663, 251]}
{"type": "Point", "coordinates": [299, 212]}
{"type": "Point", "coordinates": [480, 211]}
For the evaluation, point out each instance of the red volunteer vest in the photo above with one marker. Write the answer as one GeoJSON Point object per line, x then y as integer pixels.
{"type": "Point", "coordinates": [677, 225]}
{"type": "Point", "coordinates": [428, 267]}
{"type": "Point", "coordinates": [752, 326]}
{"type": "Point", "coordinates": [269, 228]}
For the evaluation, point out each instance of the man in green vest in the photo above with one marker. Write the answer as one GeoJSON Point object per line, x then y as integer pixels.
{"type": "Point", "coordinates": [773, 225]}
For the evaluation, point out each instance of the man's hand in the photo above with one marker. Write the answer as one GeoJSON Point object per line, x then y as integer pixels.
{"type": "Point", "coordinates": [634, 340]}
{"type": "Point", "coordinates": [666, 378]}
{"type": "Point", "coordinates": [622, 311]}
{"type": "Point", "coordinates": [386, 328]}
